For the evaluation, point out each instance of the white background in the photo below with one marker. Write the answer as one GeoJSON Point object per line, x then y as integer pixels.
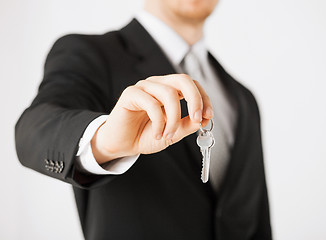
{"type": "Point", "coordinates": [276, 48]}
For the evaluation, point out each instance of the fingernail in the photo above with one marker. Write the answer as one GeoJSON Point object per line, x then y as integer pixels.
{"type": "Point", "coordinates": [198, 116]}
{"type": "Point", "coordinates": [170, 136]}
{"type": "Point", "coordinates": [158, 136]}
{"type": "Point", "coordinates": [209, 112]}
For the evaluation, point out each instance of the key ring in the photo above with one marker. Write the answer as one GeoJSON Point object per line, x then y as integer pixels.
{"type": "Point", "coordinates": [212, 125]}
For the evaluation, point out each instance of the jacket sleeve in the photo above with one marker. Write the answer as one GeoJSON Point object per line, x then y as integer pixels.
{"type": "Point", "coordinates": [74, 91]}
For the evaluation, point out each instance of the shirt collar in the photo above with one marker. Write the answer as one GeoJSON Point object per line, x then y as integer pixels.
{"type": "Point", "coordinates": [174, 46]}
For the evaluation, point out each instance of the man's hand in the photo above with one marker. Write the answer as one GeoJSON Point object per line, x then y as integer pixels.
{"type": "Point", "coordinates": [147, 117]}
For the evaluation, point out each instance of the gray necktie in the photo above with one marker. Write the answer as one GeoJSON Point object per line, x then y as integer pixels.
{"type": "Point", "coordinates": [220, 152]}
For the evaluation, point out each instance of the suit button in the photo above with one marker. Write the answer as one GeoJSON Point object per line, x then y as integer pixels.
{"type": "Point", "coordinates": [54, 166]}
{"type": "Point", "coordinates": [61, 166]}
{"type": "Point", "coordinates": [49, 165]}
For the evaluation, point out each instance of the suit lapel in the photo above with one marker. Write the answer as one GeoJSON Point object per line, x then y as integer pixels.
{"type": "Point", "coordinates": [240, 104]}
{"type": "Point", "coordinates": [151, 59]}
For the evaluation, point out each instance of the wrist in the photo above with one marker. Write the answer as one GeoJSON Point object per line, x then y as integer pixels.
{"type": "Point", "coordinates": [104, 151]}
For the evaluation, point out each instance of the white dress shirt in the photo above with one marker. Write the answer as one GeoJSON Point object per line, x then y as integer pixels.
{"type": "Point", "coordinates": [175, 48]}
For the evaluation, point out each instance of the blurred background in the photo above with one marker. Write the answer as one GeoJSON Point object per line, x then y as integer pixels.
{"type": "Point", "coordinates": [276, 48]}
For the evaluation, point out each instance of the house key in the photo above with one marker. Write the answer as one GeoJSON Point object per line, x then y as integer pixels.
{"type": "Point", "coordinates": [205, 141]}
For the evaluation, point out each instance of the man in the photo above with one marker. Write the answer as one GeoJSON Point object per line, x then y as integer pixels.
{"type": "Point", "coordinates": [136, 171]}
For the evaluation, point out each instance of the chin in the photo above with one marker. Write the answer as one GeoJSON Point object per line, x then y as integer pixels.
{"type": "Point", "coordinates": [196, 10]}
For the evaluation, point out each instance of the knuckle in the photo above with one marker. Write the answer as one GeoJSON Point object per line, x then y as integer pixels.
{"type": "Point", "coordinates": [153, 105]}
{"type": "Point", "coordinates": [185, 76]}
{"type": "Point", "coordinates": [186, 81]}
{"type": "Point", "coordinates": [169, 142]}
{"type": "Point", "coordinates": [151, 78]}
{"type": "Point", "coordinates": [140, 83]}
{"type": "Point", "coordinates": [129, 90]}
{"type": "Point", "coordinates": [170, 92]}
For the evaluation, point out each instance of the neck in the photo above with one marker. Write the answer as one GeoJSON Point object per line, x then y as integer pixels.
{"type": "Point", "coordinates": [191, 31]}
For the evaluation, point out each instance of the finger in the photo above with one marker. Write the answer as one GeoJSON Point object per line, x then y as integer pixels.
{"type": "Point", "coordinates": [189, 90]}
{"type": "Point", "coordinates": [135, 99]}
{"type": "Point", "coordinates": [187, 127]}
{"type": "Point", "coordinates": [170, 99]}
{"type": "Point", "coordinates": [207, 104]}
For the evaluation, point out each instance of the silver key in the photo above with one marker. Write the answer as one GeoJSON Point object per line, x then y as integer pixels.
{"type": "Point", "coordinates": [205, 141]}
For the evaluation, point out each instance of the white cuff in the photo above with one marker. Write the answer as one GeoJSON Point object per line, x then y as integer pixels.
{"type": "Point", "coordinates": [85, 158]}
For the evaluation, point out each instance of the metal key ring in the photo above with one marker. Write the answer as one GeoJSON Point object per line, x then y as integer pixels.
{"type": "Point", "coordinates": [212, 125]}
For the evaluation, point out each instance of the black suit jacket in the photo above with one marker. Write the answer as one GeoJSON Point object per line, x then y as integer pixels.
{"type": "Point", "coordinates": [161, 196]}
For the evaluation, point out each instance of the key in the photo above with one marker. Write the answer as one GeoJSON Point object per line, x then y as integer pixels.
{"type": "Point", "coordinates": [205, 141]}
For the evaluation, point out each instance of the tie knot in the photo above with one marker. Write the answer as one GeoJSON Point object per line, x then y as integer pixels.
{"type": "Point", "coordinates": [192, 66]}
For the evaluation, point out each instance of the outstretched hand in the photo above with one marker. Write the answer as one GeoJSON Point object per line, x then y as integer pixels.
{"type": "Point", "coordinates": [147, 117]}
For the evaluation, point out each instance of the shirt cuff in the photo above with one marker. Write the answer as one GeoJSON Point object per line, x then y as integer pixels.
{"type": "Point", "coordinates": [85, 158]}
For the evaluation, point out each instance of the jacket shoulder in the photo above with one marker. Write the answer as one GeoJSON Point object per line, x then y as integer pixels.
{"type": "Point", "coordinates": [75, 40]}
